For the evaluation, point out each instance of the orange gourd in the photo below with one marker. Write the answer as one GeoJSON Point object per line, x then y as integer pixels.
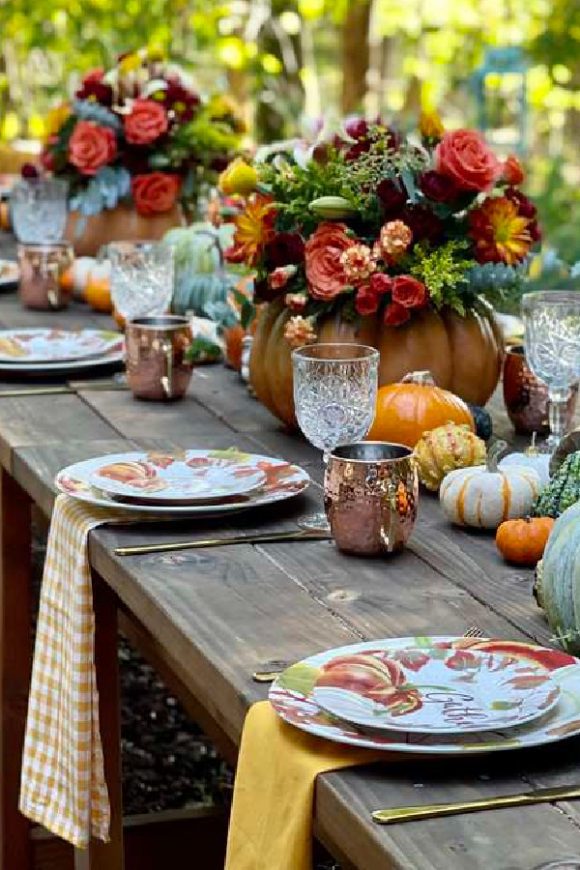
{"type": "Point", "coordinates": [523, 541]}
{"type": "Point", "coordinates": [98, 294]}
{"type": "Point", "coordinates": [408, 409]}
{"type": "Point", "coordinates": [233, 337]}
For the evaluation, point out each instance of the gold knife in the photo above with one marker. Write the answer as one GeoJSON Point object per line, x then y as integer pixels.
{"type": "Point", "coordinates": [264, 538]}
{"type": "Point", "coordinates": [34, 391]}
{"type": "Point", "coordinates": [431, 811]}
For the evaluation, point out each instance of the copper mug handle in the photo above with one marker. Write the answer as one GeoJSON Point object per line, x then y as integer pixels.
{"type": "Point", "coordinates": [167, 378]}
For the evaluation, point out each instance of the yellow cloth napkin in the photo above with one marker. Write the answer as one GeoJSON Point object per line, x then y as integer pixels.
{"type": "Point", "coordinates": [271, 819]}
{"type": "Point", "coordinates": [63, 785]}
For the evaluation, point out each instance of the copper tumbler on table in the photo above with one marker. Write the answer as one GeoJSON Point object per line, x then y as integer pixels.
{"type": "Point", "coordinates": [41, 271]}
{"type": "Point", "coordinates": [526, 396]}
{"type": "Point", "coordinates": [371, 490]}
{"type": "Point", "coordinates": [156, 346]}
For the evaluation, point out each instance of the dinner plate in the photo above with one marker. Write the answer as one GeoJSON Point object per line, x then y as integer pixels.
{"type": "Point", "coordinates": [434, 690]}
{"type": "Point", "coordinates": [173, 479]}
{"type": "Point", "coordinates": [9, 274]}
{"type": "Point", "coordinates": [112, 357]}
{"type": "Point", "coordinates": [28, 346]}
{"type": "Point", "coordinates": [291, 695]}
{"type": "Point", "coordinates": [282, 481]}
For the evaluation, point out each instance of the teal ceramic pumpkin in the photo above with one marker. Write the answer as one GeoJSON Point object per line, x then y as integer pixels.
{"type": "Point", "coordinates": [558, 579]}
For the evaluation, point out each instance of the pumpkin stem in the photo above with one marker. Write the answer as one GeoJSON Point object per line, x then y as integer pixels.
{"type": "Point", "coordinates": [425, 378]}
{"type": "Point", "coordinates": [494, 454]}
{"type": "Point", "coordinates": [532, 450]}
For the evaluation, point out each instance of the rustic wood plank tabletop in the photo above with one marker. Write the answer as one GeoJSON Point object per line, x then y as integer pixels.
{"type": "Point", "coordinates": [209, 619]}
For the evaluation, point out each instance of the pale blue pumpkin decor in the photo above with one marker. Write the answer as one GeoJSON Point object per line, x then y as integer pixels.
{"type": "Point", "coordinates": [557, 587]}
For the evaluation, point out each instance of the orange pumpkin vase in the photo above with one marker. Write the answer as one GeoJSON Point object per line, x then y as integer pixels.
{"type": "Point", "coordinates": [405, 411]}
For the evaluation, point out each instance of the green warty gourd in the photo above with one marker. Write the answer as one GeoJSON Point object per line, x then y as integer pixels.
{"type": "Point", "coordinates": [562, 491]}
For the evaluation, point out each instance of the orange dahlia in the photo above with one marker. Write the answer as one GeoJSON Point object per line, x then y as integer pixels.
{"type": "Point", "coordinates": [254, 229]}
{"type": "Point", "coordinates": [500, 233]}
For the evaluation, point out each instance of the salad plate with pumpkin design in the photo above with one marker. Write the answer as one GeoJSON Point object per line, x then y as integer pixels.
{"type": "Point", "coordinates": [434, 690]}
{"type": "Point", "coordinates": [388, 673]}
{"type": "Point", "coordinates": [257, 480]}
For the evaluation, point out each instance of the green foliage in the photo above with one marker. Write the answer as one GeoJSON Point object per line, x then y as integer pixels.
{"type": "Point", "coordinates": [444, 271]}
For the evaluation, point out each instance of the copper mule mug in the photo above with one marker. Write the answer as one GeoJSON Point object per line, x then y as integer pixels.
{"type": "Point", "coordinates": [371, 490]}
{"type": "Point", "coordinates": [42, 268]}
{"type": "Point", "coordinates": [157, 368]}
{"type": "Point", "coordinates": [526, 396]}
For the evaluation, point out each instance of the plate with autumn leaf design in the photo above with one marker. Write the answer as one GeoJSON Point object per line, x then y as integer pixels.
{"type": "Point", "coordinates": [278, 480]}
{"type": "Point", "coordinates": [434, 690]}
{"type": "Point", "coordinates": [294, 693]}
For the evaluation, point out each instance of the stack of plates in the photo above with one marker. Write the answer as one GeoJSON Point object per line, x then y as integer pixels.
{"type": "Point", "coordinates": [52, 352]}
{"type": "Point", "coordinates": [434, 695]}
{"type": "Point", "coordinates": [187, 482]}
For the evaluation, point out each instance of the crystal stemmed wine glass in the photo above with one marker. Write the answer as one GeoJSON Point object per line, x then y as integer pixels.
{"type": "Point", "coordinates": [335, 391]}
{"type": "Point", "coordinates": [38, 207]}
{"type": "Point", "coordinates": [141, 277]}
{"type": "Point", "coordinates": [552, 347]}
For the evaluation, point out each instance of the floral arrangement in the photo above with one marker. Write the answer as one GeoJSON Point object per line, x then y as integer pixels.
{"type": "Point", "coordinates": [374, 223]}
{"type": "Point", "coordinates": [139, 133]}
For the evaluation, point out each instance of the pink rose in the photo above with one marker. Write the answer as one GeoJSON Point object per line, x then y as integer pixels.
{"type": "Point", "coordinates": [513, 172]}
{"type": "Point", "coordinates": [155, 193]}
{"type": "Point", "coordinates": [146, 123]}
{"type": "Point", "coordinates": [280, 277]}
{"type": "Point", "coordinates": [366, 301]}
{"type": "Point", "coordinates": [465, 157]}
{"type": "Point", "coordinates": [409, 292]}
{"type": "Point", "coordinates": [324, 272]}
{"type": "Point", "coordinates": [381, 283]}
{"type": "Point", "coordinates": [91, 146]}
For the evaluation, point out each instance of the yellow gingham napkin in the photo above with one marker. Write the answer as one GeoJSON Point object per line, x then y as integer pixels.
{"type": "Point", "coordinates": [63, 784]}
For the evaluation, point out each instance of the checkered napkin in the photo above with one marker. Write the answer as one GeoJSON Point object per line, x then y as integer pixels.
{"type": "Point", "coordinates": [63, 784]}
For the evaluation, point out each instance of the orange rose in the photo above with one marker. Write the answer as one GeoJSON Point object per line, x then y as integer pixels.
{"type": "Point", "coordinates": [513, 172]}
{"type": "Point", "coordinates": [155, 193]}
{"type": "Point", "coordinates": [91, 146]}
{"type": "Point", "coordinates": [324, 272]}
{"type": "Point", "coordinates": [146, 123]}
{"type": "Point", "coordinates": [465, 157]}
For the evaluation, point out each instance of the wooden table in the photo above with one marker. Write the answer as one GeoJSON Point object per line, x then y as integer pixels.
{"type": "Point", "coordinates": [208, 619]}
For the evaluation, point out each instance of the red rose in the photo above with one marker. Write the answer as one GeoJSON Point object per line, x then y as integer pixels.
{"type": "Point", "coordinates": [285, 249]}
{"type": "Point", "coordinates": [366, 301]}
{"type": "Point", "coordinates": [513, 172]}
{"type": "Point", "coordinates": [437, 187]}
{"type": "Point", "coordinates": [146, 123]}
{"type": "Point", "coordinates": [465, 157]}
{"type": "Point", "coordinates": [381, 283]}
{"type": "Point", "coordinates": [155, 193]}
{"type": "Point", "coordinates": [324, 272]}
{"type": "Point", "coordinates": [409, 292]}
{"type": "Point", "coordinates": [91, 146]}
{"type": "Point", "coordinates": [396, 314]}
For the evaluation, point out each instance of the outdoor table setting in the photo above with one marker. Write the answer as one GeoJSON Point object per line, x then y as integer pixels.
{"type": "Point", "coordinates": [359, 598]}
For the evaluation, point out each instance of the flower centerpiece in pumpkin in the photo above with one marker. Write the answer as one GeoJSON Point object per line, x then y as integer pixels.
{"type": "Point", "coordinates": [139, 135]}
{"type": "Point", "coordinates": [389, 240]}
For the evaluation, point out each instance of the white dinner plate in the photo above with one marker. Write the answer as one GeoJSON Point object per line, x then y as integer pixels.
{"type": "Point", "coordinates": [41, 346]}
{"type": "Point", "coordinates": [115, 356]}
{"type": "Point", "coordinates": [282, 481]}
{"type": "Point", "coordinates": [292, 696]}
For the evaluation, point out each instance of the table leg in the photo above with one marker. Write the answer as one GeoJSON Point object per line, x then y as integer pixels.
{"type": "Point", "coordinates": [107, 856]}
{"type": "Point", "coordinates": [15, 666]}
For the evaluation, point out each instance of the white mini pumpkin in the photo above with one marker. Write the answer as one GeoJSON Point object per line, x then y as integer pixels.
{"type": "Point", "coordinates": [484, 496]}
{"type": "Point", "coordinates": [530, 458]}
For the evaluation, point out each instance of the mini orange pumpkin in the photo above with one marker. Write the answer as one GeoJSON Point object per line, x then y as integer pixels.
{"type": "Point", "coordinates": [415, 405]}
{"type": "Point", "coordinates": [523, 541]}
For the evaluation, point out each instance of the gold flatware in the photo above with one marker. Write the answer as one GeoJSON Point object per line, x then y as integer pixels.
{"type": "Point", "coordinates": [264, 538]}
{"type": "Point", "coordinates": [270, 676]}
{"type": "Point", "coordinates": [431, 811]}
{"type": "Point", "coordinates": [34, 391]}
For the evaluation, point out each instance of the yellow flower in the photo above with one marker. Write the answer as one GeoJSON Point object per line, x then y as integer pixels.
{"type": "Point", "coordinates": [500, 233]}
{"type": "Point", "coordinates": [55, 119]}
{"type": "Point", "coordinates": [430, 125]}
{"type": "Point", "coordinates": [254, 230]}
{"type": "Point", "coordinates": [239, 177]}
{"type": "Point", "coordinates": [223, 106]}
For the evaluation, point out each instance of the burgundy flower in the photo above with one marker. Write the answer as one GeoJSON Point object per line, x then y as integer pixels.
{"type": "Point", "coordinates": [181, 100]}
{"type": "Point", "coordinates": [424, 225]}
{"type": "Point", "coordinates": [218, 164]}
{"type": "Point", "coordinates": [392, 197]}
{"type": "Point", "coordinates": [438, 187]}
{"type": "Point", "coordinates": [526, 207]}
{"type": "Point", "coordinates": [285, 249]}
{"type": "Point", "coordinates": [534, 231]}
{"type": "Point", "coordinates": [94, 88]}
{"type": "Point", "coordinates": [29, 170]}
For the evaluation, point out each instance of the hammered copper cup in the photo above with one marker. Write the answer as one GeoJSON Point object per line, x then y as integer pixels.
{"type": "Point", "coordinates": [526, 396]}
{"type": "Point", "coordinates": [156, 365]}
{"type": "Point", "coordinates": [41, 271]}
{"type": "Point", "coordinates": [371, 489]}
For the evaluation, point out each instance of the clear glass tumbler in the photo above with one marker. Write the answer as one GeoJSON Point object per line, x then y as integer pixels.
{"type": "Point", "coordinates": [38, 209]}
{"type": "Point", "coordinates": [142, 276]}
{"type": "Point", "coordinates": [552, 348]}
{"type": "Point", "coordinates": [335, 392]}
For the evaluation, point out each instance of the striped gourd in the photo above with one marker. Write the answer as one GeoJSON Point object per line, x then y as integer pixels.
{"type": "Point", "coordinates": [558, 579]}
